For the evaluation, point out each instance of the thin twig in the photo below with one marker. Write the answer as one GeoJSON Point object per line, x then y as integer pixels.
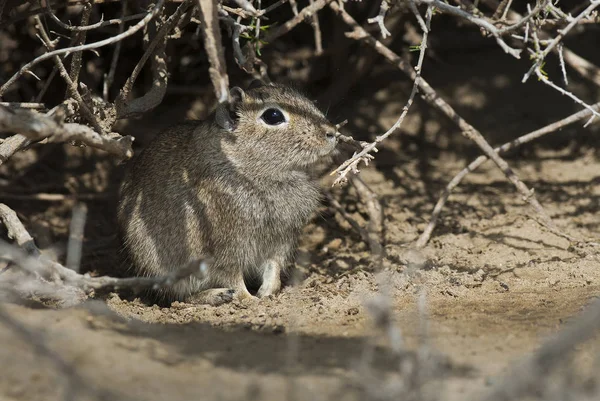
{"type": "Point", "coordinates": [95, 45]}
{"type": "Point", "coordinates": [561, 33]}
{"type": "Point", "coordinates": [317, 31]}
{"type": "Point", "coordinates": [235, 29]}
{"type": "Point", "coordinates": [53, 271]}
{"type": "Point", "coordinates": [291, 24]}
{"type": "Point", "coordinates": [156, 48]}
{"type": "Point", "coordinates": [110, 77]}
{"type": "Point", "coordinates": [78, 40]}
{"type": "Point", "coordinates": [456, 11]}
{"type": "Point", "coordinates": [424, 238]}
{"type": "Point", "coordinates": [84, 27]}
{"type": "Point", "coordinates": [375, 212]}
{"type": "Point", "coordinates": [24, 105]}
{"type": "Point", "coordinates": [364, 234]}
{"type": "Point", "coordinates": [431, 97]}
{"type": "Point", "coordinates": [351, 165]}
{"type": "Point", "coordinates": [72, 89]}
{"type": "Point", "coordinates": [380, 19]}
{"type": "Point", "coordinates": [565, 92]}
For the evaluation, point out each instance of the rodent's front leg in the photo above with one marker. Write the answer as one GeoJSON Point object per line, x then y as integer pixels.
{"type": "Point", "coordinates": [271, 278]}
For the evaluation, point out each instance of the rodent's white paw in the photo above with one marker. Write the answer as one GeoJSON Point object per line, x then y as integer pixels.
{"type": "Point", "coordinates": [269, 288]}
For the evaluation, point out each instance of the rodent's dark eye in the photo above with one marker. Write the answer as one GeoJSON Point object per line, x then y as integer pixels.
{"type": "Point", "coordinates": [273, 116]}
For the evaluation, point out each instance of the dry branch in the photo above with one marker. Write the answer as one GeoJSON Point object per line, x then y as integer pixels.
{"type": "Point", "coordinates": [72, 89]}
{"type": "Point", "coordinates": [12, 145]}
{"type": "Point", "coordinates": [214, 47]}
{"type": "Point", "coordinates": [53, 272]}
{"type": "Point", "coordinates": [364, 234]}
{"type": "Point", "coordinates": [16, 231]}
{"type": "Point", "coordinates": [35, 127]}
{"type": "Point", "coordinates": [58, 281]}
{"type": "Point", "coordinates": [351, 165]}
{"type": "Point", "coordinates": [306, 12]}
{"type": "Point", "coordinates": [69, 50]}
{"type": "Point", "coordinates": [424, 238]}
{"type": "Point", "coordinates": [561, 34]}
{"type": "Point", "coordinates": [456, 11]}
{"type": "Point", "coordinates": [375, 212]}
{"type": "Point", "coordinates": [75, 28]}
{"type": "Point", "coordinates": [431, 97]}
{"type": "Point", "coordinates": [78, 39]}
{"type": "Point", "coordinates": [156, 48]}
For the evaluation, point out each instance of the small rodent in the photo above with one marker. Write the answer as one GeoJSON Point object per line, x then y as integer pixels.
{"type": "Point", "coordinates": [236, 187]}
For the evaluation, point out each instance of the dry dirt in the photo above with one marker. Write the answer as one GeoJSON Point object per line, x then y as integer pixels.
{"type": "Point", "coordinates": [491, 285]}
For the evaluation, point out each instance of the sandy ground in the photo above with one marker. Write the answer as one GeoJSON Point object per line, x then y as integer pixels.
{"type": "Point", "coordinates": [491, 285]}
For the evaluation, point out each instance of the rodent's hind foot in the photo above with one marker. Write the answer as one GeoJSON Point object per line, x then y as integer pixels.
{"type": "Point", "coordinates": [269, 288]}
{"type": "Point", "coordinates": [271, 276]}
{"type": "Point", "coordinates": [212, 296]}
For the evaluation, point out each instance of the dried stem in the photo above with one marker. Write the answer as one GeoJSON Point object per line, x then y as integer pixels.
{"type": "Point", "coordinates": [375, 212]}
{"type": "Point", "coordinates": [78, 40]}
{"type": "Point", "coordinates": [351, 165]}
{"type": "Point", "coordinates": [431, 97]}
{"type": "Point", "coordinates": [84, 27]}
{"type": "Point", "coordinates": [114, 39]}
{"type": "Point", "coordinates": [76, 229]}
{"type": "Point", "coordinates": [110, 77]}
{"type": "Point", "coordinates": [380, 19]}
{"type": "Point", "coordinates": [11, 145]}
{"type": "Point", "coordinates": [364, 234]}
{"type": "Point", "coordinates": [561, 34]}
{"type": "Point", "coordinates": [456, 11]}
{"type": "Point", "coordinates": [317, 30]}
{"type": "Point", "coordinates": [16, 230]}
{"type": "Point", "coordinates": [55, 272]}
{"type": "Point", "coordinates": [214, 48]}
{"type": "Point", "coordinates": [424, 238]}
{"type": "Point", "coordinates": [72, 89]}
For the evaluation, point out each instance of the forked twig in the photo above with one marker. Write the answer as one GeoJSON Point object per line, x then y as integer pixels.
{"type": "Point", "coordinates": [430, 96]}
{"type": "Point", "coordinates": [94, 45]}
{"type": "Point", "coordinates": [424, 238]}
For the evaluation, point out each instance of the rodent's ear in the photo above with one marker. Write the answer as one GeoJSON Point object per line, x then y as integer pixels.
{"type": "Point", "coordinates": [237, 95]}
{"type": "Point", "coordinates": [226, 116]}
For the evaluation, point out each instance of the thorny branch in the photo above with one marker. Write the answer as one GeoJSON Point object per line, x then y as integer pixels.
{"type": "Point", "coordinates": [539, 59]}
{"type": "Point", "coordinates": [424, 238]}
{"type": "Point", "coordinates": [431, 97]}
{"type": "Point", "coordinates": [351, 165]}
{"type": "Point", "coordinates": [456, 11]}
